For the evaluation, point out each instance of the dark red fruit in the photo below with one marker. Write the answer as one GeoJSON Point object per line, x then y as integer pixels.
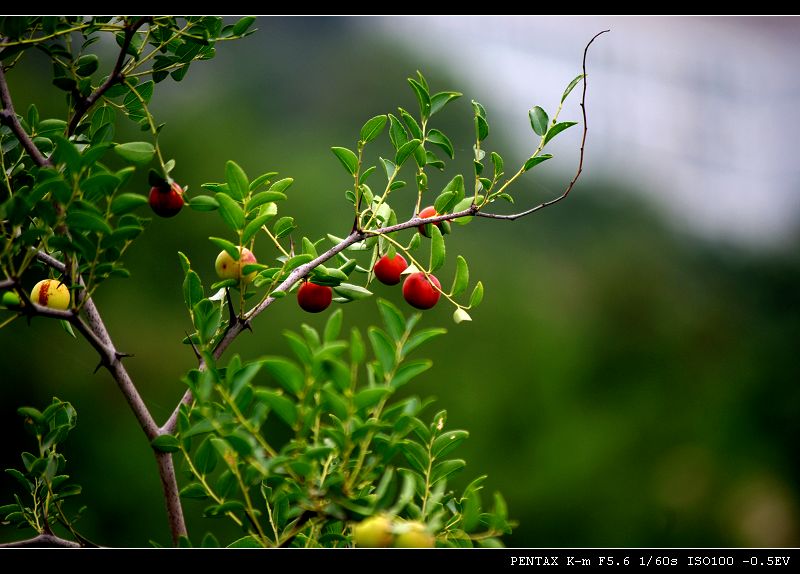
{"type": "Point", "coordinates": [419, 292]}
{"type": "Point", "coordinates": [388, 270]}
{"type": "Point", "coordinates": [429, 211]}
{"type": "Point", "coordinates": [166, 200]}
{"type": "Point", "coordinates": [314, 298]}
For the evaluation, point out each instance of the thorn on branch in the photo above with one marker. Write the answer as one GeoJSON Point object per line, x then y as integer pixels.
{"type": "Point", "coordinates": [194, 348]}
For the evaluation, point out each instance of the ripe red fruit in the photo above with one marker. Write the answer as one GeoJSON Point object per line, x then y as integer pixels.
{"type": "Point", "coordinates": [419, 292]}
{"type": "Point", "coordinates": [429, 211]}
{"type": "Point", "coordinates": [388, 269]}
{"type": "Point", "coordinates": [314, 298]}
{"type": "Point", "coordinates": [166, 200]}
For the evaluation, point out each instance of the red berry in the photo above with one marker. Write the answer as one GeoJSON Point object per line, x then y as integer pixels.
{"type": "Point", "coordinates": [314, 298]}
{"type": "Point", "coordinates": [419, 292]}
{"type": "Point", "coordinates": [388, 270]}
{"type": "Point", "coordinates": [166, 200]}
{"type": "Point", "coordinates": [429, 211]}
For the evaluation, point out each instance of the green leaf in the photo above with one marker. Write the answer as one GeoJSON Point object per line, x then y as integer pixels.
{"type": "Point", "coordinates": [447, 442]}
{"type": "Point", "coordinates": [459, 315]}
{"type": "Point", "coordinates": [570, 86]}
{"type": "Point", "coordinates": [437, 138]}
{"type": "Point", "coordinates": [236, 178]}
{"type": "Point", "coordinates": [397, 133]}
{"type": "Point", "coordinates": [437, 248]}
{"type": "Point", "coordinates": [420, 338]}
{"type": "Point", "coordinates": [333, 327]}
{"type": "Point", "coordinates": [373, 128]}
{"type": "Point", "coordinates": [409, 370]}
{"type": "Point", "coordinates": [557, 129]}
{"type": "Point", "coordinates": [392, 318]}
{"type": "Point", "coordinates": [423, 97]}
{"type": "Point", "coordinates": [481, 128]}
{"type": "Point", "coordinates": [242, 25]}
{"type": "Point", "coordinates": [477, 295]}
{"type": "Point", "coordinates": [125, 202]}
{"type": "Point", "coordinates": [203, 203]}
{"type": "Point", "coordinates": [231, 212]}
{"type": "Point", "coordinates": [444, 469]}
{"type": "Point", "coordinates": [87, 221]}
{"type": "Point", "coordinates": [282, 185]}
{"type": "Point", "coordinates": [192, 289]}
{"type": "Point", "coordinates": [357, 351]}
{"type": "Point", "coordinates": [226, 245]}
{"type": "Point", "coordinates": [285, 372]}
{"type": "Point", "coordinates": [165, 443]}
{"type": "Point", "coordinates": [352, 292]}
{"type": "Point", "coordinates": [461, 279]}
{"type": "Point", "coordinates": [383, 348]}
{"type": "Point", "coordinates": [365, 399]}
{"type": "Point", "coordinates": [411, 124]}
{"type": "Point", "coordinates": [264, 197]}
{"type": "Point", "coordinates": [87, 65]}
{"type": "Point", "coordinates": [539, 120]}
{"type": "Point", "coordinates": [205, 459]}
{"type": "Point", "coordinates": [136, 152]}
{"type": "Point", "coordinates": [252, 228]}
{"type": "Point", "coordinates": [534, 161]}
{"type": "Point", "coordinates": [194, 490]}
{"type": "Point", "coordinates": [246, 542]}
{"type": "Point", "coordinates": [262, 179]}
{"type": "Point", "coordinates": [281, 405]}
{"type": "Point", "coordinates": [405, 151]}
{"type": "Point", "coordinates": [283, 227]}
{"type": "Point", "coordinates": [100, 184]}
{"type": "Point", "coordinates": [348, 158]}
{"type": "Point", "coordinates": [440, 100]}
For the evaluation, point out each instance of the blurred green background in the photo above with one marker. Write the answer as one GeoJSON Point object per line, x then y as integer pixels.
{"type": "Point", "coordinates": [625, 383]}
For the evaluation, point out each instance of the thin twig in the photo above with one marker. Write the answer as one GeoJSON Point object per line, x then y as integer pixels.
{"type": "Point", "coordinates": [42, 541]}
{"type": "Point", "coordinates": [553, 201]}
{"type": "Point", "coordinates": [83, 105]}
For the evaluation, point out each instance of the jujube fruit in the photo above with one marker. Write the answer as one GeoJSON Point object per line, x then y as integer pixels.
{"type": "Point", "coordinates": [374, 532]}
{"type": "Point", "coordinates": [166, 200]}
{"type": "Point", "coordinates": [429, 211]}
{"type": "Point", "coordinates": [51, 293]}
{"type": "Point", "coordinates": [314, 298]}
{"type": "Point", "coordinates": [419, 292]}
{"type": "Point", "coordinates": [388, 269]}
{"type": "Point", "coordinates": [228, 268]}
{"type": "Point", "coordinates": [414, 535]}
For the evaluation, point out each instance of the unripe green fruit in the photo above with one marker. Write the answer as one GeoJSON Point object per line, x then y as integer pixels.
{"type": "Point", "coordinates": [227, 268]}
{"type": "Point", "coordinates": [11, 300]}
{"type": "Point", "coordinates": [51, 293]}
{"type": "Point", "coordinates": [374, 532]}
{"type": "Point", "coordinates": [414, 535]}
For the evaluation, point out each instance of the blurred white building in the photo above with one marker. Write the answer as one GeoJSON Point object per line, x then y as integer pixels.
{"type": "Point", "coordinates": [701, 112]}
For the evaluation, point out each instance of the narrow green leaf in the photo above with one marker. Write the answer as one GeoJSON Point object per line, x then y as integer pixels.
{"type": "Point", "coordinates": [392, 318]}
{"type": "Point", "coordinates": [420, 338]}
{"type": "Point", "coordinates": [285, 372]}
{"type": "Point", "coordinates": [348, 158]}
{"type": "Point", "coordinates": [236, 178]}
{"type": "Point", "coordinates": [477, 295]}
{"type": "Point", "coordinates": [461, 279]}
{"type": "Point", "coordinates": [557, 129]}
{"type": "Point", "coordinates": [423, 97]}
{"type": "Point", "coordinates": [409, 370]}
{"type": "Point", "coordinates": [397, 133]}
{"type": "Point", "coordinates": [260, 199]}
{"type": "Point", "coordinates": [405, 151]}
{"type": "Point", "coordinates": [136, 152]}
{"type": "Point", "coordinates": [570, 86]}
{"type": "Point", "coordinates": [447, 442]}
{"type": "Point", "coordinates": [87, 221]}
{"type": "Point", "coordinates": [534, 161]}
{"type": "Point", "coordinates": [242, 25]}
{"type": "Point", "coordinates": [539, 120]}
{"type": "Point", "coordinates": [383, 348]}
{"type": "Point", "coordinates": [437, 248]}
{"type": "Point", "coordinates": [352, 292]}
{"type": "Point", "coordinates": [283, 227]}
{"type": "Point", "coordinates": [230, 211]}
{"type": "Point", "coordinates": [192, 289]}
{"type": "Point", "coordinates": [365, 399]}
{"type": "Point", "coordinates": [282, 184]}
{"type": "Point", "coordinates": [231, 248]}
{"type": "Point", "coordinates": [125, 202]}
{"type": "Point", "coordinates": [333, 327]}
{"type": "Point", "coordinates": [373, 128]}
{"type": "Point", "coordinates": [165, 443]}
{"type": "Point", "coordinates": [444, 469]}
{"type": "Point", "coordinates": [281, 405]}
{"type": "Point", "coordinates": [203, 203]}
{"type": "Point", "coordinates": [252, 228]}
{"type": "Point", "coordinates": [194, 490]}
{"type": "Point", "coordinates": [440, 100]}
{"type": "Point", "coordinates": [437, 138]}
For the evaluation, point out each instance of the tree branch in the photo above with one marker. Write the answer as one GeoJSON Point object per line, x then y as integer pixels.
{"type": "Point", "coordinates": [96, 333]}
{"type": "Point", "coordinates": [553, 201]}
{"type": "Point", "coordinates": [42, 541]}
{"type": "Point", "coordinates": [9, 117]}
{"type": "Point", "coordinates": [83, 105]}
